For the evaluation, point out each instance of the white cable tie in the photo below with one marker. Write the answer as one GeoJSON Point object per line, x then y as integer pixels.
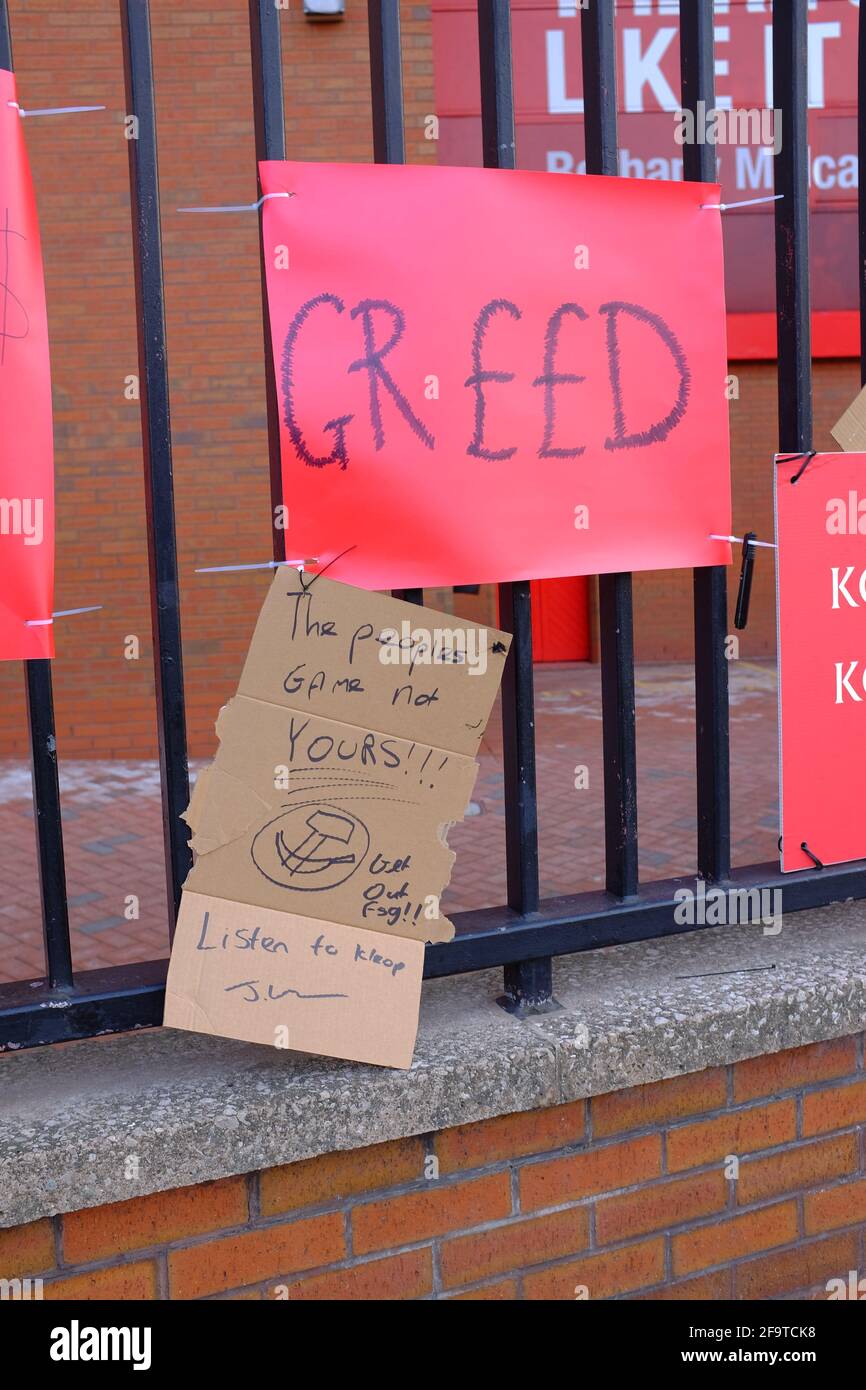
{"type": "Point", "coordinates": [52, 111]}
{"type": "Point", "coordinates": [62, 613]}
{"type": "Point", "coordinates": [268, 565]}
{"type": "Point", "coordinates": [241, 207]}
{"type": "Point", "coordinates": [746, 203]}
{"type": "Point", "coordinates": [738, 540]}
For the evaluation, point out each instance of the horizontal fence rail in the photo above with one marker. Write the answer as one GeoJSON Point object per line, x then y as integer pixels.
{"type": "Point", "coordinates": [525, 934]}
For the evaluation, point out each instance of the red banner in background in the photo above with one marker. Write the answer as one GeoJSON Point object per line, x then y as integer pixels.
{"type": "Point", "coordinates": [26, 429]}
{"type": "Point", "coordinates": [821, 573]}
{"type": "Point", "coordinates": [549, 113]}
{"type": "Point", "coordinates": [487, 375]}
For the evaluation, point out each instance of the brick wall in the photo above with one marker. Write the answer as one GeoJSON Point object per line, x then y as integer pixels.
{"type": "Point", "coordinates": [71, 54]}
{"type": "Point", "coordinates": [626, 1194]}
{"type": "Point", "coordinates": [104, 702]}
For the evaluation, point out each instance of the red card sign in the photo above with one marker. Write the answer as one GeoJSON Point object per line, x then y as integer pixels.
{"type": "Point", "coordinates": [488, 375]}
{"type": "Point", "coordinates": [821, 589]}
{"type": "Point", "coordinates": [26, 433]}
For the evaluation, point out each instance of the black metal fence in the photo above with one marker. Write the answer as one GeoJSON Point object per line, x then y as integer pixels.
{"type": "Point", "coordinates": [524, 934]}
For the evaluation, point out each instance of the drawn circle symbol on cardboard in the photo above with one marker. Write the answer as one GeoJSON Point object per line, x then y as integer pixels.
{"type": "Point", "coordinates": [311, 848]}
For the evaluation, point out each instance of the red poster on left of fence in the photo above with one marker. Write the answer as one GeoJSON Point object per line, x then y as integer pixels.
{"type": "Point", "coordinates": [26, 430]}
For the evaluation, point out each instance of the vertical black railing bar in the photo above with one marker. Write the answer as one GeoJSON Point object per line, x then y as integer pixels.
{"type": "Point", "coordinates": [156, 444]}
{"type": "Point", "coordinates": [791, 173]}
{"type": "Point", "coordinates": [49, 827]}
{"type": "Point", "coordinates": [710, 583]}
{"type": "Point", "coordinates": [619, 746]}
{"type": "Point", "coordinates": [386, 81]}
{"type": "Point", "coordinates": [861, 183]}
{"type": "Point", "coordinates": [389, 135]}
{"type": "Point", "coordinates": [527, 984]}
{"type": "Point", "coordinates": [5, 37]}
{"type": "Point", "coordinates": [43, 760]}
{"type": "Point", "coordinates": [499, 146]}
{"type": "Point", "coordinates": [270, 140]}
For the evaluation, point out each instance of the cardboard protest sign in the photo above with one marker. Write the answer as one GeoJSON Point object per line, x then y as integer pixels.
{"type": "Point", "coordinates": [247, 972]}
{"type": "Point", "coordinates": [319, 829]}
{"type": "Point", "coordinates": [344, 757]}
{"type": "Point", "coordinates": [26, 429]}
{"type": "Point", "coordinates": [821, 594]}
{"type": "Point", "coordinates": [488, 375]}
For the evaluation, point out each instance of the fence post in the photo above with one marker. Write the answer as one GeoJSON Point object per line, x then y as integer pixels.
{"type": "Point", "coordinates": [43, 760]}
{"type": "Point", "coordinates": [598, 53]}
{"type": "Point", "coordinates": [156, 445]}
{"type": "Point", "coordinates": [710, 582]}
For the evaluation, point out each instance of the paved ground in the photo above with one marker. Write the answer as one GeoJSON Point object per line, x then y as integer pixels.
{"type": "Point", "coordinates": [113, 825]}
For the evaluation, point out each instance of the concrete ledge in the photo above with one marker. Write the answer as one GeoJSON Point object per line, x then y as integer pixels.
{"type": "Point", "coordinates": [193, 1108]}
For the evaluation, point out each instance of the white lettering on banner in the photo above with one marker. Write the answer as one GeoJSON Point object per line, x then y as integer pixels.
{"type": "Point", "coordinates": [645, 7]}
{"type": "Point", "coordinates": [818, 36]}
{"type": "Point", "coordinates": [642, 69]}
{"type": "Point", "coordinates": [630, 166]}
{"type": "Point", "coordinates": [839, 586]}
{"type": "Point", "coordinates": [845, 681]}
{"type": "Point", "coordinates": [558, 103]}
{"type": "Point", "coordinates": [753, 168]}
{"type": "Point", "coordinates": [643, 54]}
{"type": "Point", "coordinates": [721, 66]}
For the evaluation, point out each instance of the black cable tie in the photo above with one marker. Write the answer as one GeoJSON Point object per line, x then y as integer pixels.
{"type": "Point", "coordinates": [814, 858]}
{"type": "Point", "coordinates": [807, 459]}
{"type": "Point", "coordinates": [744, 593]}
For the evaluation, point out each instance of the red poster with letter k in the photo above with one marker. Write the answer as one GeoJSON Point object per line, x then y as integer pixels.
{"type": "Point", "coordinates": [821, 595]}
{"type": "Point", "coordinates": [26, 429]}
{"type": "Point", "coordinates": [489, 375]}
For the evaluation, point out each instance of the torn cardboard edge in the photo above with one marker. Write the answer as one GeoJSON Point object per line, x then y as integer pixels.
{"type": "Point", "coordinates": [849, 430]}
{"type": "Point", "coordinates": [382, 827]}
{"type": "Point", "coordinates": [308, 808]}
{"type": "Point", "coordinates": [319, 828]}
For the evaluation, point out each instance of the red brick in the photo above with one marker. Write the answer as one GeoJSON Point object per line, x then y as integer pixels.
{"type": "Point", "coordinates": [842, 1205]}
{"type": "Point", "coordinates": [800, 1066]}
{"type": "Point", "coordinates": [504, 1290]}
{"type": "Point", "coordinates": [740, 1132]}
{"type": "Point", "coordinates": [518, 1245]}
{"type": "Point", "coordinates": [656, 1206]}
{"type": "Point", "coordinates": [746, 1234]}
{"type": "Point", "coordinates": [795, 1169]}
{"type": "Point", "coordinates": [125, 1282]}
{"type": "Point", "coordinates": [26, 1250]}
{"type": "Point", "coordinates": [839, 1107]}
{"type": "Point", "coordinates": [334, 1176]}
{"type": "Point", "coordinates": [510, 1136]}
{"type": "Point", "coordinates": [439, 1208]}
{"type": "Point", "coordinates": [249, 1258]}
{"type": "Point", "coordinates": [710, 1287]}
{"type": "Point", "coordinates": [640, 1107]}
{"type": "Point", "coordinates": [602, 1169]}
{"type": "Point", "coordinates": [613, 1272]}
{"type": "Point", "coordinates": [157, 1219]}
{"type": "Point", "coordinates": [405, 1276]}
{"type": "Point", "coordinates": [787, 1271]}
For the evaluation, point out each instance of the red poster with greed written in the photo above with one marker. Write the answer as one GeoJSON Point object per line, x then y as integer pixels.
{"type": "Point", "coordinates": [26, 429]}
{"type": "Point", "coordinates": [821, 594]}
{"type": "Point", "coordinates": [489, 375]}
